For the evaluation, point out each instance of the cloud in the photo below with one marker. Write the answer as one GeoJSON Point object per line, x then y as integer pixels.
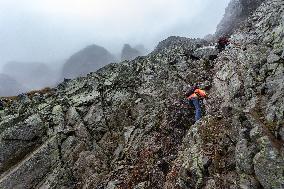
{"type": "Point", "coordinates": [51, 30]}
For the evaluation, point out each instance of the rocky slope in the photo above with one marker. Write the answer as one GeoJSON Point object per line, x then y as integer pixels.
{"type": "Point", "coordinates": [236, 12]}
{"type": "Point", "coordinates": [87, 60]}
{"type": "Point", "coordinates": [125, 126]}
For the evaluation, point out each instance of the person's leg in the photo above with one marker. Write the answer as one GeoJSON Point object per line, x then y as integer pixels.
{"type": "Point", "coordinates": [188, 102]}
{"type": "Point", "coordinates": [197, 106]}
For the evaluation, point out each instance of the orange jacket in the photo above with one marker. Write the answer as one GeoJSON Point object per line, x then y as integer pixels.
{"type": "Point", "coordinates": [198, 93]}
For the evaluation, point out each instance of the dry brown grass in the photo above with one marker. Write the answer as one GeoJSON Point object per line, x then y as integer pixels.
{"type": "Point", "coordinates": [46, 90]}
{"type": "Point", "coordinates": [211, 134]}
{"type": "Point", "coordinates": [8, 101]}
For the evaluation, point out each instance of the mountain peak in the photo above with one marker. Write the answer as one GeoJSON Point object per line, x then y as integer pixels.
{"type": "Point", "coordinates": [86, 60]}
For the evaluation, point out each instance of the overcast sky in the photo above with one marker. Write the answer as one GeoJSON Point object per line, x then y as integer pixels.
{"type": "Point", "coordinates": [52, 30]}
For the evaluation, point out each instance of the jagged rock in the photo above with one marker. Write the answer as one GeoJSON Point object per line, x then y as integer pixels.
{"type": "Point", "coordinates": [31, 128]}
{"type": "Point", "coordinates": [31, 171]}
{"type": "Point", "coordinates": [248, 181]}
{"type": "Point", "coordinates": [206, 52]}
{"type": "Point", "coordinates": [269, 165]}
{"type": "Point", "coordinates": [112, 185]}
{"type": "Point", "coordinates": [141, 185]}
{"type": "Point", "coordinates": [236, 12]}
{"type": "Point", "coordinates": [58, 118]}
{"type": "Point", "coordinates": [281, 133]}
{"type": "Point", "coordinates": [244, 155]}
{"type": "Point", "coordinates": [273, 58]}
{"type": "Point", "coordinates": [19, 140]}
{"type": "Point", "coordinates": [72, 116]}
{"type": "Point", "coordinates": [210, 184]}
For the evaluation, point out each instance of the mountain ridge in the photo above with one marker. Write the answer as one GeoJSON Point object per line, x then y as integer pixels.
{"type": "Point", "coordinates": [125, 125]}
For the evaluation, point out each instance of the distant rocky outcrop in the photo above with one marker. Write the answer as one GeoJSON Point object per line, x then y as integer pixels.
{"type": "Point", "coordinates": [86, 60]}
{"type": "Point", "coordinates": [32, 75]}
{"type": "Point", "coordinates": [127, 125]}
{"type": "Point", "coordinates": [129, 53]}
{"type": "Point", "coordinates": [236, 12]}
{"type": "Point", "coordinates": [9, 86]}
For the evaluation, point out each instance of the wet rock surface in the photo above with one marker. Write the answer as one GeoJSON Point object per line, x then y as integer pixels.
{"type": "Point", "coordinates": [126, 125]}
{"type": "Point", "coordinates": [236, 12]}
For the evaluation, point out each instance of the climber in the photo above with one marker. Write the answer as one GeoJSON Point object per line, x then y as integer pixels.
{"type": "Point", "coordinates": [222, 43]}
{"type": "Point", "coordinates": [194, 94]}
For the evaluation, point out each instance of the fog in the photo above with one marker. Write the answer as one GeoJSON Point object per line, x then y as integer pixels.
{"type": "Point", "coordinates": [50, 31]}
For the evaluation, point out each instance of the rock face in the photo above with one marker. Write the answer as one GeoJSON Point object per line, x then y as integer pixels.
{"type": "Point", "coordinates": [126, 126]}
{"type": "Point", "coordinates": [9, 86]}
{"type": "Point", "coordinates": [236, 12]}
{"type": "Point", "coordinates": [129, 53]}
{"type": "Point", "coordinates": [34, 75]}
{"type": "Point", "coordinates": [85, 61]}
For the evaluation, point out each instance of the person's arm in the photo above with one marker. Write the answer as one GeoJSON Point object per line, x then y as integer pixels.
{"type": "Point", "coordinates": [201, 93]}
